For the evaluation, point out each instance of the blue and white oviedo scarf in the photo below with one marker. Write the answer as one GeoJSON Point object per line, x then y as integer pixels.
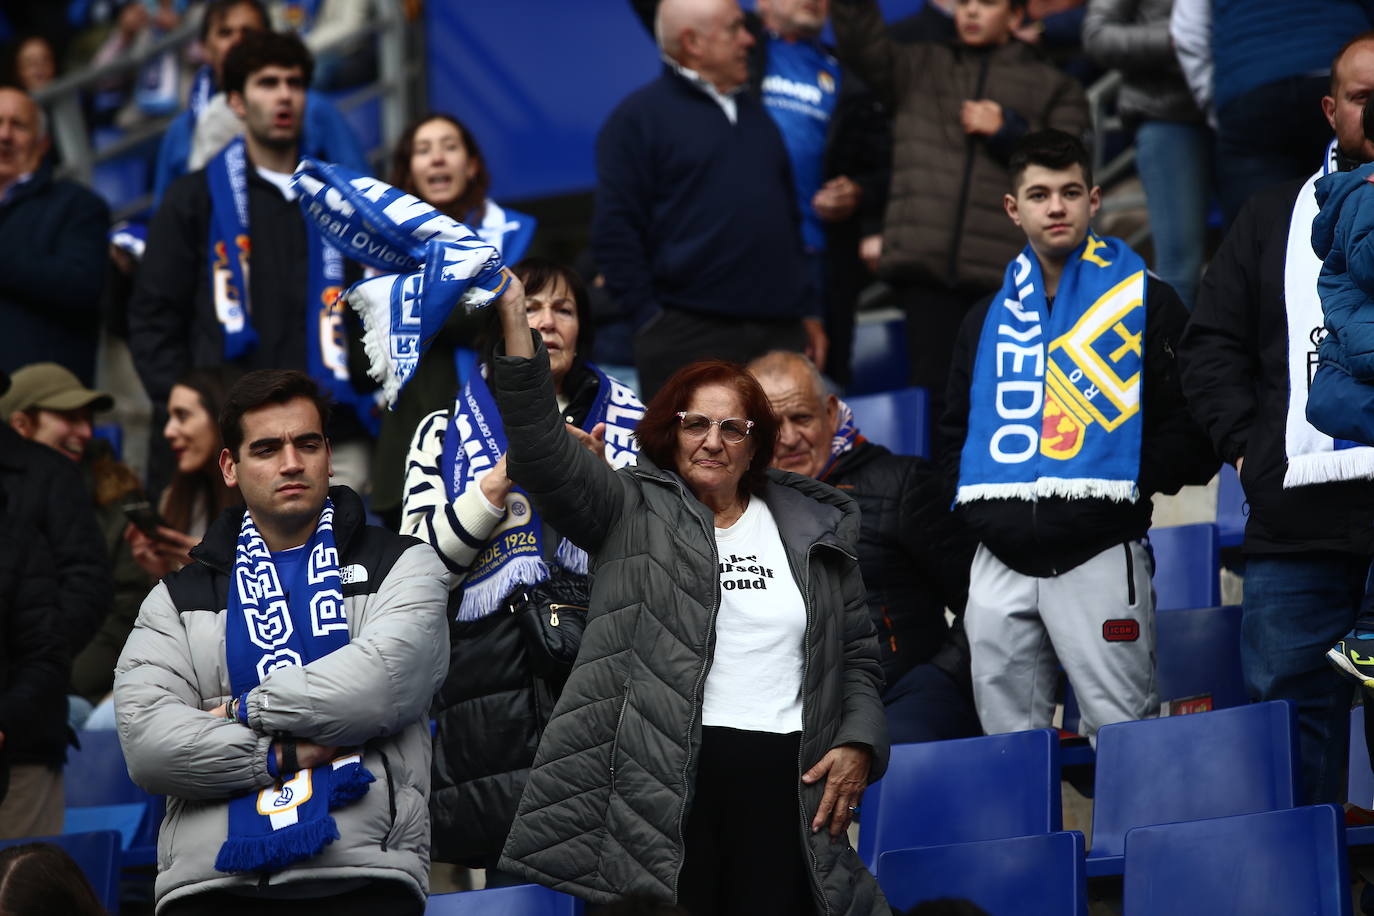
{"type": "Point", "coordinates": [326, 340]}
{"type": "Point", "coordinates": [1063, 418]}
{"type": "Point", "coordinates": [274, 624]}
{"type": "Point", "coordinates": [475, 441]}
{"type": "Point", "coordinates": [441, 263]}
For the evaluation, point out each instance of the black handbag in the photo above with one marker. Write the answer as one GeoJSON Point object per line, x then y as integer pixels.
{"type": "Point", "coordinates": [552, 615]}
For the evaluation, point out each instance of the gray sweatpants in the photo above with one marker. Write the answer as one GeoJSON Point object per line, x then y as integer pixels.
{"type": "Point", "coordinates": [1097, 620]}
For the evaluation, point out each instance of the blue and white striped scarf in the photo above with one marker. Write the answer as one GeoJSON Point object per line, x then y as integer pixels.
{"type": "Point", "coordinates": [475, 441]}
{"type": "Point", "coordinates": [273, 624]}
{"type": "Point", "coordinates": [433, 262]}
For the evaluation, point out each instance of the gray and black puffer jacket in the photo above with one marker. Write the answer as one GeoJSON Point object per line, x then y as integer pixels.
{"type": "Point", "coordinates": [607, 800]}
{"type": "Point", "coordinates": [371, 694]}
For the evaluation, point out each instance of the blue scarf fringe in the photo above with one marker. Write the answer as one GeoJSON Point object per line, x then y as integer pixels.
{"type": "Point", "coordinates": [276, 850]}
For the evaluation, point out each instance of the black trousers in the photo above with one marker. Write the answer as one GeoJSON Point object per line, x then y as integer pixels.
{"type": "Point", "coordinates": [389, 897]}
{"type": "Point", "coordinates": [744, 851]}
{"type": "Point", "coordinates": [675, 338]}
{"type": "Point", "coordinates": [933, 317]}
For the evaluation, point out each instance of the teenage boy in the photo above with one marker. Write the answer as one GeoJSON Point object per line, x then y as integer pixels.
{"type": "Point", "coordinates": [1064, 416]}
{"type": "Point", "coordinates": [232, 273]}
{"type": "Point", "coordinates": [958, 110]}
{"type": "Point", "coordinates": [276, 689]}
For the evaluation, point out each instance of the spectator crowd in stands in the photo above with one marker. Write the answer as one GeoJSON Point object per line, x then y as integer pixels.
{"type": "Point", "coordinates": [666, 627]}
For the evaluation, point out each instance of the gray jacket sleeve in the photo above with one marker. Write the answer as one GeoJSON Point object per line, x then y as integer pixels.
{"type": "Point", "coordinates": [382, 680]}
{"type": "Point", "coordinates": [1115, 37]}
{"type": "Point", "coordinates": [864, 721]}
{"type": "Point", "coordinates": [172, 745]}
{"type": "Point", "coordinates": [575, 491]}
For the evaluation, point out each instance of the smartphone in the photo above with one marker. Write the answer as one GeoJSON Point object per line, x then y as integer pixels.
{"type": "Point", "coordinates": [144, 517]}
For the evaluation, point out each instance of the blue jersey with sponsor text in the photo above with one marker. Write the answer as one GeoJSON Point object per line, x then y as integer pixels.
{"type": "Point", "coordinates": [799, 90]}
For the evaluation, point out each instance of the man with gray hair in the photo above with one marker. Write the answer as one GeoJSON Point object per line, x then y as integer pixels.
{"type": "Point", "coordinates": [52, 249]}
{"type": "Point", "coordinates": [697, 226]}
{"type": "Point", "coordinates": [914, 557]}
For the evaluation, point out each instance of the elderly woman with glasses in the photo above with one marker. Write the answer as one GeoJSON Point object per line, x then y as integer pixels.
{"type": "Point", "coordinates": [722, 721]}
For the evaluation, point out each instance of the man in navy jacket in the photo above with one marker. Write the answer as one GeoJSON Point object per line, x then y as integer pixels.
{"type": "Point", "coordinates": [697, 228]}
{"type": "Point", "coordinates": [52, 250]}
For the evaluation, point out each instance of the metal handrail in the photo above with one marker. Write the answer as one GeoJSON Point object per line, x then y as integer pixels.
{"type": "Point", "coordinates": [62, 97]}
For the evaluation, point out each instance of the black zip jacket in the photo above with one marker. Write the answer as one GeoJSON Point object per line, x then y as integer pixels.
{"type": "Point", "coordinates": [1234, 361]}
{"type": "Point", "coordinates": [172, 322]}
{"type": "Point", "coordinates": [45, 493]}
{"type": "Point", "coordinates": [1050, 536]}
{"type": "Point", "coordinates": [914, 558]}
{"type": "Point", "coordinates": [34, 662]}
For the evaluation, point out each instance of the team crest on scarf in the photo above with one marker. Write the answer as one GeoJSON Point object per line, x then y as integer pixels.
{"type": "Point", "coordinates": [1061, 419]}
{"type": "Point", "coordinates": [273, 624]}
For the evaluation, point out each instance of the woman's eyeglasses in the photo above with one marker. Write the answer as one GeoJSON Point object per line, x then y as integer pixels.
{"type": "Point", "coordinates": [732, 429]}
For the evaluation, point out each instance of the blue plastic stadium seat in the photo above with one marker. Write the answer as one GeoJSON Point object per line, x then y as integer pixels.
{"type": "Point", "coordinates": [880, 361]}
{"type": "Point", "coordinates": [961, 791]}
{"type": "Point", "coordinates": [1284, 862]}
{"type": "Point", "coordinates": [1029, 876]}
{"type": "Point", "coordinates": [95, 778]}
{"type": "Point", "coordinates": [1232, 509]}
{"type": "Point", "coordinates": [1187, 566]}
{"type": "Point", "coordinates": [96, 853]}
{"type": "Point", "coordinates": [1198, 655]}
{"type": "Point", "coordinates": [522, 900]}
{"type": "Point", "coordinates": [1213, 764]}
{"type": "Point", "coordinates": [897, 419]}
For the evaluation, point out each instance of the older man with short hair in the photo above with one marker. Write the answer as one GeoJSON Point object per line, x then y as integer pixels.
{"type": "Point", "coordinates": [697, 227]}
{"type": "Point", "coordinates": [52, 249]}
{"type": "Point", "coordinates": [914, 557]}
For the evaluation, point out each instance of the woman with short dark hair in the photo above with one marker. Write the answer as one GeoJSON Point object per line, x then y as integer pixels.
{"type": "Point", "coordinates": [460, 499]}
{"type": "Point", "coordinates": [722, 719]}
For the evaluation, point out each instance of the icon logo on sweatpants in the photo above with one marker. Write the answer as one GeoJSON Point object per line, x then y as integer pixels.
{"type": "Point", "coordinates": [1124, 630]}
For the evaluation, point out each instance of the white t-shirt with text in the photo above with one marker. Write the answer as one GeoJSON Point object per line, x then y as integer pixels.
{"type": "Point", "coordinates": [756, 674]}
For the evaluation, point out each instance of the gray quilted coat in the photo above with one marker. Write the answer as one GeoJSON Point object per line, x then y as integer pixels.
{"type": "Point", "coordinates": [604, 810]}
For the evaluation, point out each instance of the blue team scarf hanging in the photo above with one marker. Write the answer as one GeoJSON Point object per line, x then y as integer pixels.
{"type": "Point", "coordinates": [475, 441]}
{"type": "Point", "coordinates": [273, 624]}
{"type": "Point", "coordinates": [202, 89]}
{"type": "Point", "coordinates": [433, 263]}
{"type": "Point", "coordinates": [1054, 400]}
{"type": "Point", "coordinates": [846, 437]}
{"type": "Point", "coordinates": [326, 341]}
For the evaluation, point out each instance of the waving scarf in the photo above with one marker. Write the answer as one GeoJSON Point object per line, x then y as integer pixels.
{"type": "Point", "coordinates": [433, 263]}
{"type": "Point", "coordinates": [275, 624]}
{"type": "Point", "coordinates": [1063, 420]}
{"type": "Point", "coordinates": [326, 340]}
{"type": "Point", "coordinates": [475, 441]}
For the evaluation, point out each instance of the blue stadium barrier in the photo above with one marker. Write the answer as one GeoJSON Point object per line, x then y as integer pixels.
{"type": "Point", "coordinates": [1285, 862]}
{"type": "Point", "coordinates": [1187, 566]}
{"type": "Point", "coordinates": [880, 360]}
{"type": "Point", "coordinates": [535, 86]}
{"type": "Point", "coordinates": [522, 900]}
{"type": "Point", "coordinates": [97, 855]}
{"type": "Point", "coordinates": [964, 790]}
{"type": "Point", "coordinates": [1029, 876]}
{"type": "Point", "coordinates": [897, 419]}
{"type": "Point", "coordinates": [1214, 764]}
{"type": "Point", "coordinates": [96, 780]}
